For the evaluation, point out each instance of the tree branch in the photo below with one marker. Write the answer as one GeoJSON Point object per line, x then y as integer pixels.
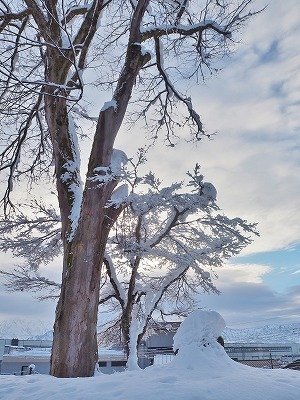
{"type": "Point", "coordinates": [22, 279]}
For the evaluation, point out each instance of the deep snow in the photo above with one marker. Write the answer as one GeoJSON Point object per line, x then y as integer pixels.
{"type": "Point", "coordinates": [200, 371]}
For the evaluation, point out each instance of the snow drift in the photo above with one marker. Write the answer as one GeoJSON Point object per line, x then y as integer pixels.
{"type": "Point", "coordinates": [200, 371]}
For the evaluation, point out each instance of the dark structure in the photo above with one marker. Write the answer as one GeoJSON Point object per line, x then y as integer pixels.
{"type": "Point", "coordinates": [294, 365]}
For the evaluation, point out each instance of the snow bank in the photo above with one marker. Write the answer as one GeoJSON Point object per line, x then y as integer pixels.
{"type": "Point", "coordinates": [200, 371]}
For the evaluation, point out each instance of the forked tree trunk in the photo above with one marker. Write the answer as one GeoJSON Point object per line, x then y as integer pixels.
{"type": "Point", "coordinates": [74, 351]}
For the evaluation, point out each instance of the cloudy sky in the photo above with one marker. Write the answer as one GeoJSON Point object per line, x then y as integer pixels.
{"type": "Point", "coordinates": [254, 162]}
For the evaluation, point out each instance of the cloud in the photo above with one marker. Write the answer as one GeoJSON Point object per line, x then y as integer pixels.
{"type": "Point", "coordinates": [246, 299]}
{"type": "Point", "coordinates": [254, 304]}
{"type": "Point", "coordinates": [19, 305]}
{"type": "Point", "coordinates": [296, 272]}
{"type": "Point", "coordinates": [241, 273]}
{"type": "Point", "coordinates": [253, 104]}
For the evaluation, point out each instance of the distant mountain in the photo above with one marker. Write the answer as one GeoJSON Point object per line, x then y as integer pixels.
{"type": "Point", "coordinates": [45, 336]}
{"type": "Point", "coordinates": [23, 329]}
{"type": "Point", "coordinates": [41, 330]}
{"type": "Point", "coordinates": [264, 334]}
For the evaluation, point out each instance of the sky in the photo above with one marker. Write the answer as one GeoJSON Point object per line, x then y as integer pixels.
{"type": "Point", "coordinates": [254, 162]}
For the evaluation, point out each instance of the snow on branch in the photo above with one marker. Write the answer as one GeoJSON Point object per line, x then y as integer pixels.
{"type": "Point", "coordinates": [74, 11]}
{"type": "Point", "coordinates": [71, 177]}
{"type": "Point", "coordinates": [163, 30]}
{"type": "Point", "coordinates": [119, 291]}
{"type": "Point", "coordinates": [102, 175]}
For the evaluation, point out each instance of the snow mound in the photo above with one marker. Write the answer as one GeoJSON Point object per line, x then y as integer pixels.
{"type": "Point", "coordinates": [196, 342]}
{"type": "Point", "coordinates": [200, 328]}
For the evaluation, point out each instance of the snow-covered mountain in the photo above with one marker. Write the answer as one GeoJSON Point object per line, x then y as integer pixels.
{"type": "Point", "coordinates": [42, 330]}
{"type": "Point", "coordinates": [264, 334]}
{"type": "Point", "coordinates": [23, 329]}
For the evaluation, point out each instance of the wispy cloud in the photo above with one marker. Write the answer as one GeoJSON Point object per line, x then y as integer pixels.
{"type": "Point", "coordinates": [253, 105]}
{"type": "Point", "coordinates": [296, 272]}
{"type": "Point", "coordinates": [254, 303]}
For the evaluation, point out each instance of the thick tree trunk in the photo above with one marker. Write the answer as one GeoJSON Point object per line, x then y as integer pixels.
{"type": "Point", "coordinates": [74, 351]}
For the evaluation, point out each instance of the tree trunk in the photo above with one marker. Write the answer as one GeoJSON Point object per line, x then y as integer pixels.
{"type": "Point", "coordinates": [132, 361]}
{"type": "Point", "coordinates": [74, 351]}
{"type": "Point", "coordinates": [129, 336]}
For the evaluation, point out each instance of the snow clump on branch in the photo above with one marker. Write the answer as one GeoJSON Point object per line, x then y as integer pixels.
{"type": "Point", "coordinates": [113, 171]}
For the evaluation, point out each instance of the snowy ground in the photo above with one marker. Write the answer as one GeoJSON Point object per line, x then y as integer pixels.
{"type": "Point", "coordinates": [213, 380]}
{"type": "Point", "coordinates": [201, 371]}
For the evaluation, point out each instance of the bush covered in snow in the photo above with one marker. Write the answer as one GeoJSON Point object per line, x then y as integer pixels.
{"type": "Point", "coordinates": [195, 342]}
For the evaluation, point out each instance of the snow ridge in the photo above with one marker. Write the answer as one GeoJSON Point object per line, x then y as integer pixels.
{"type": "Point", "coordinates": [265, 334]}
{"type": "Point", "coordinates": [42, 330]}
{"type": "Point", "coordinates": [26, 329]}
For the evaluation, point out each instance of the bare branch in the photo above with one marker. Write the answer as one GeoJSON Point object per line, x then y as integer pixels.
{"type": "Point", "coordinates": [24, 279]}
{"type": "Point", "coordinates": [7, 17]}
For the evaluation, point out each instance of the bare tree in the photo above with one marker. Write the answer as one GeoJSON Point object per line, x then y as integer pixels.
{"type": "Point", "coordinates": [46, 46]}
{"type": "Point", "coordinates": [32, 234]}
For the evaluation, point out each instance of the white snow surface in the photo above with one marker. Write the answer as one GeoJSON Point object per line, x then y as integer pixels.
{"type": "Point", "coordinates": [264, 334]}
{"type": "Point", "coordinates": [198, 372]}
{"type": "Point", "coordinates": [200, 330]}
{"type": "Point", "coordinates": [108, 104]}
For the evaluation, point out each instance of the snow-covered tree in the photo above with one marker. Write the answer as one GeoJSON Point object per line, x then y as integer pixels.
{"type": "Point", "coordinates": [166, 248]}
{"type": "Point", "coordinates": [138, 50]}
{"type": "Point", "coordinates": [163, 250]}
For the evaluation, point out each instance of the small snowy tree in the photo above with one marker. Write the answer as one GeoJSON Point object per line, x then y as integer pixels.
{"type": "Point", "coordinates": [138, 50]}
{"type": "Point", "coordinates": [166, 247]}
